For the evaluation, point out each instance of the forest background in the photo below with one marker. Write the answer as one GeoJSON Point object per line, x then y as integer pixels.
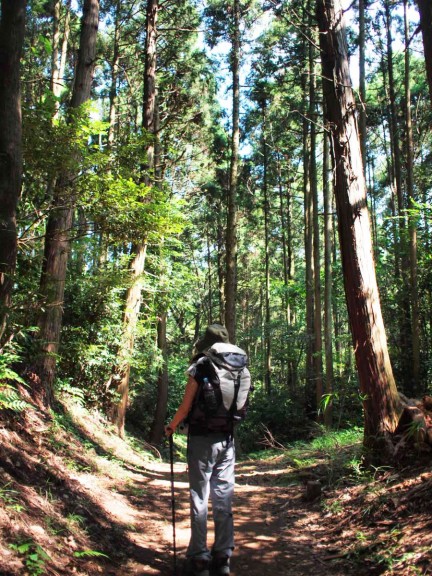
{"type": "Point", "coordinates": [136, 208]}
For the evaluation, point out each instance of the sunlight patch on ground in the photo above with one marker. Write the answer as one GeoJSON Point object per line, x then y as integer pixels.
{"type": "Point", "coordinates": [113, 505]}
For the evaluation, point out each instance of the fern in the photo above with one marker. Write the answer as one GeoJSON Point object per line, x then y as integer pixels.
{"type": "Point", "coordinates": [10, 399]}
{"type": "Point", "coordinates": [89, 553]}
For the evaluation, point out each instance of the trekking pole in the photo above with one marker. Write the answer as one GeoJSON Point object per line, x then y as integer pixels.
{"type": "Point", "coordinates": [171, 446]}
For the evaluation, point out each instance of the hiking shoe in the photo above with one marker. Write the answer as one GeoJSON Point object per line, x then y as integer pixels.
{"type": "Point", "coordinates": [221, 566]}
{"type": "Point", "coordinates": [196, 567]}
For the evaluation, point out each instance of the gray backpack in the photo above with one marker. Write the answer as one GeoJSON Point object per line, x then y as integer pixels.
{"type": "Point", "coordinates": [224, 385]}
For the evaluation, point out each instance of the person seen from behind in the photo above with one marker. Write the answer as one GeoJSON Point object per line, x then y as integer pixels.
{"type": "Point", "coordinates": [215, 398]}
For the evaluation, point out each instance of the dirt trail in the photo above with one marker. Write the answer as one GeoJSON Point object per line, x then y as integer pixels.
{"type": "Point", "coordinates": [87, 503]}
{"type": "Point", "coordinates": [277, 531]}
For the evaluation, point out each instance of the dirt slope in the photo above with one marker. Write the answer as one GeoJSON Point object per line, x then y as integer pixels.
{"type": "Point", "coordinates": [74, 499]}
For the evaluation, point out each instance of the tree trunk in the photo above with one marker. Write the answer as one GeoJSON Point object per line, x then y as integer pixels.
{"type": "Point", "coordinates": [64, 50]}
{"type": "Point", "coordinates": [405, 343]}
{"type": "Point", "coordinates": [57, 240]}
{"type": "Point", "coordinates": [59, 54]}
{"type": "Point", "coordinates": [162, 387]}
{"type": "Point", "coordinates": [133, 296]}
{"type": "Point", "coordinates": [12, 27]}
{"type": "Point", "coordinates": [317, 322]}
{"type": "Point", "coordinates": [308, 244]}
{"type": "Point", "coordinates": [266, 210]}
{"type": "Point", "coordinates": [425, 9]}
{"type": "Point", "coordinates": [412, 219]}
{"type": "Point", "coordinates": [55, 46]}
{"type": "Point", "coordinates": [362, 80]}
{"type": "Point", "coordinates": [286, 234]}
{"type": "Point", "coordinates": [328, 284]}
{"type": "Point", "coordinates": [380, 398]}
{"type": "Point", "coordinates": [114, 76]}
{"type": "Point", "coordinates": [231, 232]}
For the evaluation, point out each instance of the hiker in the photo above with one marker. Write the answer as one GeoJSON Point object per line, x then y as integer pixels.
{"type": "Point", "coordinates": [211, 413]}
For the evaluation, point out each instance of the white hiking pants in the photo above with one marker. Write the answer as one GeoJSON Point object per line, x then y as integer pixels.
{"type": "Point", "coordinates": [211, 462]}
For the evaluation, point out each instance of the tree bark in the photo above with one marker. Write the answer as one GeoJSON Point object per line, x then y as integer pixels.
{"type": "Point", "coordinates": [162, 386]}
{"type": "Point", "coordinates": [133, 296]}
{"type": "Point", "coordinates": [57, 240]}
{"type": "Point", "coordinates": [232, 217]}
{"type": "Point", "coordinates": [114, 76]}
{"type": "Point", "coordinates": [425, 9]}
{"type": "Point", "coordinates": [412, 219]}
{"type": "Point", "coordinates": [362, 80]}
{"type": "Point", "coordinates": [310, 396]}
{"type": "Point", "coordinates": [328, 284]}
{"type": "Point", "coordinates": [405, 343]}
{"type": "Point", "coordinates": [380, 398]}
{"type": "Point", "coordinates": [12, 27]}
{"type": "Point", "coordinates": [317, 322]}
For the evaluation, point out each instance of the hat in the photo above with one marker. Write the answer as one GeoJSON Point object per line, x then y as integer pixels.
{"type": "Point", "coordinates": [214, 333]}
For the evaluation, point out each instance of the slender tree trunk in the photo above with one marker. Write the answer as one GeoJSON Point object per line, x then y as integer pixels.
{"type": "Point", "coordinates": [209, 280]}
{"type": "Point", "coordinates": [425, 9]}
{"type": "Point", "coordinates": [317, 322]}
{"type": "Point", "coordinates": [57, 240]}
{"type": "Point", "coordinates": [12, 27]}
{"type": "Point", "coordinates": [394, 130]}
{"type": "Point", "coordinates": [328, 284]}
{"type": "Point", "coordinates": [412, 220]}
{"type": "Point", "coordinates": [284, 242]}
{"type": "Point", "coordinates": [162, 385]}
{"type": "Point", "coordinates": [114, 76]}
{"type": "Point", "coordinates": [362, 80]}
{"type": "Point", "coordinates": [308, 243]}
{"type": "Point", "coordinates": [381, 402]}
{"type": "Point", "coordinates": [59, 53]}
{"type": "Point", "coordinates": [221, 270]}
{"type": "Point", "coordinates": [267, 327]}
{"type": "Point", "coordinates": [402, 247]}
{"type": "Point", "coordinates": [60, 82]}
{"type": "Point", "coordinates": [139, 250]}
{"type": "Point", "coordinates": [55, 45]}
{"type": "Point", "coordinates": [231, 232]}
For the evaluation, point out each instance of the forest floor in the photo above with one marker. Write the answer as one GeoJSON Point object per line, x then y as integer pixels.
{"type": "Point", "coordinates": [77, 500]}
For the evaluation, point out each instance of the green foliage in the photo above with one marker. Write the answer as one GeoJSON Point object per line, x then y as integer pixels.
{"type": "Point", "coordinates": [89, 554]}
{"type": "Point", "coordinates": [9, 497]}
{"type": "Point", "coordinates": [123, 208]}
{"type": "Point", "coordinates": [275, 412]}
{"type": "Point", "coordinates": [10, 399]}
{"type": "Point", "coordinates": [35, 557]}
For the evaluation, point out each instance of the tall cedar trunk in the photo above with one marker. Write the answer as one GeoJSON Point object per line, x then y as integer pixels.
{"type": "Point", "coordinates": [162, 388]}
{"type": "Point", "coordinates": [328, 284]}
{"type": "Point", "coordinates": [57, 240]}
{"type": "Point", "coordinates": [231, 232]}
{"type": "Point", "coordinates": [405, 343]}
{"type": "Point", "coordinates": [162, 384]}
{"type": "Point", "coordinates": [308, 243]}
{"type": "Point", "coordinates": [55, 46]}
{"type": "Point", "coordinates": [209, 280]}
{"type": "Point", "coordinates": [220, 264]}
{"type": "Point", "coordinates": [133, 296]}
{"type": "Point", "coordinates": [284, 241]}
{"type": "Point", "coordinates": [389, 142]}
{"type": "Point", "coordinates": [12, 26]}
{"type": "Point", "coordinates": [59, 54]}
{"type": "Point", "coordinates": [267, 327]}
{"type": "Point", "coordinates": [381, 401]}
{"type": "Point", "coordinates": [114, 76]}
{"type": "Point", "coordinates": [362, 80]}
{"type": "Point", "coordinates": [425, 9]}
{"type": "Point", "coordinates": [317, 337]}
{"type": "Point", "coordinates": [412, 223]}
